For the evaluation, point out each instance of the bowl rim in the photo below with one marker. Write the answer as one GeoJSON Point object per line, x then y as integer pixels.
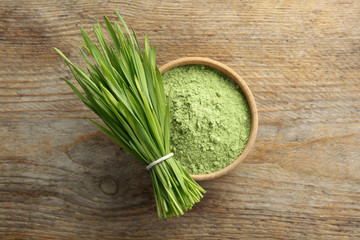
{"type": "Point", "coordinates": [249, 97]}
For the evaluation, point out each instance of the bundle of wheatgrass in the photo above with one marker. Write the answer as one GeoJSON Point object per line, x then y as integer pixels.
{"type": "Point", "coordinates": [124, 88]}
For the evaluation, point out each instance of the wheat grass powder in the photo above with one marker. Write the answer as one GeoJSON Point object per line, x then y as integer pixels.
{"type": "Point", "coordinates": [210, 118]}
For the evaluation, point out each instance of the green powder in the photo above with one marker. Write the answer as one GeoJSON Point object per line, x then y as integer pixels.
{"type": "Point", "coordinates": [210, 118]}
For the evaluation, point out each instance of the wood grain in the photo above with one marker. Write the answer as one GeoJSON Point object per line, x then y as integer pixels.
{"type": "Point", "coordinates": [60, 178]}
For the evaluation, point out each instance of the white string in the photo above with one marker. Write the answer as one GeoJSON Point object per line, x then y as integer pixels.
{"type": "Point", "coordinates": [148, 167]}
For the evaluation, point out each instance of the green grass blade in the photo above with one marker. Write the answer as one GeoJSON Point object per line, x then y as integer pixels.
{"type": "Point", "coordinates": [124, 88]}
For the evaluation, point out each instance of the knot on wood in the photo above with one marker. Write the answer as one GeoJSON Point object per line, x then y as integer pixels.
{"type": "Point", "coordinates": [108, 185]}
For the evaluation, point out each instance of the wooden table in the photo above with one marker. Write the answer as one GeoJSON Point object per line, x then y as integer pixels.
{"type": "Point", "coordinates": [60, 178]}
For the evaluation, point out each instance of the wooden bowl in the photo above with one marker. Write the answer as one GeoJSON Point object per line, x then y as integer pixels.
{"type": "Point", "coordinates": [251, 101]}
